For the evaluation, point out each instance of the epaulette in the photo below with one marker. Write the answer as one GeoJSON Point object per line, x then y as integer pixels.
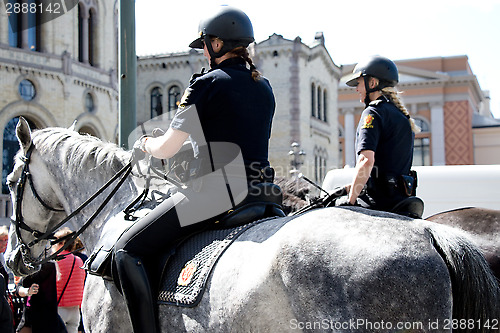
{"type": "Point", "coordinates": [376, 102]}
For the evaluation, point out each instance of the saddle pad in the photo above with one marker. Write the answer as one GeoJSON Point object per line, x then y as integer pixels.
{"type": "Point", "coordinates": [187, 271]}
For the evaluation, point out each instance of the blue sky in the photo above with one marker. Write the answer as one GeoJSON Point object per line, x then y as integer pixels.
{"type": "Point", "coordinates": [352, 29]}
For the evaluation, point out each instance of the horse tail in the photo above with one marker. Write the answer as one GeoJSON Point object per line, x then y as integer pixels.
{"type": "Point", "coordinates": [475, 290]}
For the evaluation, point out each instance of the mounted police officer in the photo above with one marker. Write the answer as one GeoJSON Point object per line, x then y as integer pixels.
{"type": "Point", "coordinates": [232, 103]}
{"type": "Point", "coordinates": [384, 140]}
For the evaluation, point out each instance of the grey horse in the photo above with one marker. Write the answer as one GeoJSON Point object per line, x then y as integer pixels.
{"type": "Point", "coordinates": [330, 270]}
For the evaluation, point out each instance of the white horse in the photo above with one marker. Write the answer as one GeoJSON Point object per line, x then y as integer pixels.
{"type": "Point", "coordinates": [332, 269]}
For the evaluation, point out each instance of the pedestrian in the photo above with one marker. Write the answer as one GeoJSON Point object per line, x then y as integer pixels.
{"type": "Point", "coordinates": [70, 283]}
{"type": "Point", "coordinates": [40, 314]}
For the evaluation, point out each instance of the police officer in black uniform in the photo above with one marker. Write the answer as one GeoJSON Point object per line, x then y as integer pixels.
{"type": "Point", "coordinates": [232, 103]}
{"type": "Point", "coordinates": [384, 139]}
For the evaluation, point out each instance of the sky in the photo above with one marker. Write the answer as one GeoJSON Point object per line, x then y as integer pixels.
{"type": "Point", "coordinates": [353, 29]}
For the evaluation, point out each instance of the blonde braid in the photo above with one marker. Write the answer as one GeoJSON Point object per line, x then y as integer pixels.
{"type": "Point", "coordinates": [393, 95]}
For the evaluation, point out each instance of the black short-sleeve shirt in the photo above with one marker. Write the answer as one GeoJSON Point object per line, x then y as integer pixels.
{"type": "Point", "coordinates": [384, 129]}
{"type": "Point", "coordinates": [232, 107]}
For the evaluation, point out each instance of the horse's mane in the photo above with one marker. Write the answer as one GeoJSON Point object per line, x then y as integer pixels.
{"type": "Point", "coordinates": [80, 150]}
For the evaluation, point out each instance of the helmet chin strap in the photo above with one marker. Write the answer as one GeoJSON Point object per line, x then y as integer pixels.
{"type": "Point", "coordinates": [369, 90]}
{"type": "Point", "coordinates": [211, 52]}
{"type": "Point", "coordinates": [226, 47]}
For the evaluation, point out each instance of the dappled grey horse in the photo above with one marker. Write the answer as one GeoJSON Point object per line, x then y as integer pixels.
{"type": "Point", "coordinates": [332, 269]}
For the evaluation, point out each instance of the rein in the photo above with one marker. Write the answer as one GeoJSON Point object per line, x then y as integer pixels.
{"type": "Point", "coordinates": [49, 234]}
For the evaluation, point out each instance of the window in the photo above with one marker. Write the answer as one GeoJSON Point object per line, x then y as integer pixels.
{"type": "Point", "coordinates": [27, 90]}
{"type": "Point", "coordinates": [313, 100]}
{"type": "Point", "coordinates": [91, 37]}
{"type": "Point", "coordinates": [87, 25]}
{"type": "Point", "coordinates": [14, 28]}
{"type": "Point", "coordinates": [325, 108]}
{"type": "Point", "coordinates": [174, 98]}
{"type": "Point", "coordinates": [89, 103]}
{"type": "Point", "coordinates": [81, 21]}
{"type": "Point", "coordinates": [156, 103]}
{"type": "Point", "coordinates": [28, 22]}
{"type": "Point", "coordinates": [10, 148]}
{"type": "Point", "coordinates": [319, 103]}
{"type": "Point", "coordinates": [320, 167]}
{"type": "Point", "coordinates": [421, 149]}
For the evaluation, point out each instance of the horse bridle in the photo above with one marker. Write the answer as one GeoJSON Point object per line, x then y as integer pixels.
{"type": "Point", "coordinates": [49, 234]}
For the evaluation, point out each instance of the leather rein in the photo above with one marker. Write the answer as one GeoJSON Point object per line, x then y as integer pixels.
{"type": "Point", "coordinates": [49, 234]}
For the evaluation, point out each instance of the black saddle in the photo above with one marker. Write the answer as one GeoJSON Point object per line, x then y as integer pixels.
{"type": "Point", "coordinates": [412, 207]}
{"type": "Point", "coordinates": [263, 200]}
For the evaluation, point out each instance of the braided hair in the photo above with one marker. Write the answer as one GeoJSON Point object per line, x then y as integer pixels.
{"type": "Point", "coordinates": [393, 95]}
{"type": "Point", "coordinates": [242, 52]}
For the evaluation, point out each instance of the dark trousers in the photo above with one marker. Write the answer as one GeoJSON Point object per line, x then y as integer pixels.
{"type": "Point", "coordinates": [157, 231]}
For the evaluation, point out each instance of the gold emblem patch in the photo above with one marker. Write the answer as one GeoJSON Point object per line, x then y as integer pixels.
{"type": "Point", "coordinates": [368, 121]}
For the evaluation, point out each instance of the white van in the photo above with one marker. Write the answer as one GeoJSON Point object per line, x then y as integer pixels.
{"type": "Point", "coordinates": [443, 187]}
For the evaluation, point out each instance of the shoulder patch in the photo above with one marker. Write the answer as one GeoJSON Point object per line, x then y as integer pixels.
{"type": "Point", "coordinates": [368, 121]}
{"type": "Point", "coordinates": [184, 98]}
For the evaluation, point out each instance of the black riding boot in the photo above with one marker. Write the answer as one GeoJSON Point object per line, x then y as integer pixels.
{"type": "Point", "coordinates": [137, 292]}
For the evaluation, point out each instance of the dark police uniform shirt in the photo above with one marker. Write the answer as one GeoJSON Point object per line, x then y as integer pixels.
{"type": "Point", "coordinates": [384, 129]}
{"type": "Point", "coordinates": [232, 107]}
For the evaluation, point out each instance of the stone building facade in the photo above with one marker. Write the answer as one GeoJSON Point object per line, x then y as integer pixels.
{"type": "Point", "coordinates": [58, 72]}
{"type": "Point", "coordinates": [304, 80]}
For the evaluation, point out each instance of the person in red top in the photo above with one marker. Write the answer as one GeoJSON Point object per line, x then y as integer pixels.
{"type": "Point", "coordinates": [70, 284]}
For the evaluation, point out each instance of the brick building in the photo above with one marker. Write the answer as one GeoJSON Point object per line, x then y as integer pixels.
{"type": "Point", "coordinates": [444, 97]}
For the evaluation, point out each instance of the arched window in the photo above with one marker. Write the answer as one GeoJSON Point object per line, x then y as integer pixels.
{"type": "Point", "coordinates": [89, 103]}
{"type": "Point", "coordinates": [91, 36]}
{"type": "Point", "coordinates": [81, 28]}
{"type": "Point", "coordinates": [319, 103]}
{"type": "Point", "coordinates": [174, 98]}
{"type": "Point", "coordinates": [25, 26]}
{"type": "Point", "coordinates": [10, 148]}
{"type": "Point", "coordinates": [87, 26]}
{"type": "Point", "coordinates": [156, 103]}
{"type": "Point", "coordinates": [325, 106]}
{"type": "Point", "coordinates": [313, 100]}
{"type": "Point", "coordinates": [421, 149]}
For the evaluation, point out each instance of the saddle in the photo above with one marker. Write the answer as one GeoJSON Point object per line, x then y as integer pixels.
{"type": "Point", "coordinates": [412, 207]}
{"type": "Point", "coordinates": [263, 201]}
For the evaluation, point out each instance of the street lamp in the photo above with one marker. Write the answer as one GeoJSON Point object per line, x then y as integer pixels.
{"type": "Point", "coordinates": [297, 157]}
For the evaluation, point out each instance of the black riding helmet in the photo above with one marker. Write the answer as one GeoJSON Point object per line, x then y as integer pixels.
{"type": "Point", "coordinates": [229, 24]}
{"type": "Point", "coordinates": [382, 68]}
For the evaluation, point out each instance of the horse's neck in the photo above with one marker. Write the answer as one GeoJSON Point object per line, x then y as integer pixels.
{"type": "Point", "coordinates": [77, 190]}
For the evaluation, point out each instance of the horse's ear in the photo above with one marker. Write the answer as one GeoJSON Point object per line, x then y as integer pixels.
{"type": "Point", "coordinates": [73, 126]}
{"type": "Point", "coordinates": [23, 134]}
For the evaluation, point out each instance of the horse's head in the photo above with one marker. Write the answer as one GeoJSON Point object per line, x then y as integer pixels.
{"type": "Point", "coordinates": [37, 206]}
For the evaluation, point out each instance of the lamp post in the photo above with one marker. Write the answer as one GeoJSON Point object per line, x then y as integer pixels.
{"type": "Point", "coordinates": [297, 157]}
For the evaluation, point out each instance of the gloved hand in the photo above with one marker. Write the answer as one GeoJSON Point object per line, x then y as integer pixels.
{"type": "Point", "coordinates": [197, 75]}
{"type": "Point", "coordinates": [157, 132]}
{"type": "Point", "coordinates": [343, 201]}
{"type": "Point", "coordinates": [138, 151]}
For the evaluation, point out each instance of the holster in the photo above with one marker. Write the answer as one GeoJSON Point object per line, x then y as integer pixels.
{"type": "Point", "coordinates": [405, 185]}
